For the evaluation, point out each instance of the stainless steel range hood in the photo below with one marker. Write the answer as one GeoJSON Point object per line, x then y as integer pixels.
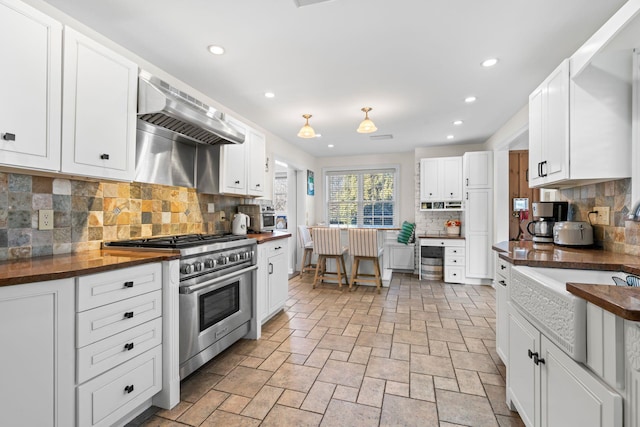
{"type": "Point", "coordinates": [162, 105]}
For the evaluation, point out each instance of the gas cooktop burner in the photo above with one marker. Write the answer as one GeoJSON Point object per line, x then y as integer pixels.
{"type": "Point", "coordinates": [177, 242]}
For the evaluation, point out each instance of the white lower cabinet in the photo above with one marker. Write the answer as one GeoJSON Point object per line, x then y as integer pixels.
{"type": "Point", "coordinates": [118, 343]}
{"type": "Point", "coordinates": [550, 389]}
{"type": "Point", "coordinates": [400, 256]}
{"type": "Point", "coordinates": [273, 278]}
{"type": "Point", "coordinates": [501, 284]}
{"type": "Point", "coordinates": [36, 356]}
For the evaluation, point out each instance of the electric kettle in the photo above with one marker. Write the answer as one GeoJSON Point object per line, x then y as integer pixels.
{"type": "Point", "coordinates": [240, 224]}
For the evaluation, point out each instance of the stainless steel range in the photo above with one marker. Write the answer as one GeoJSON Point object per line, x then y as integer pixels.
{"type": "Point", "coordinates": [217, 273]}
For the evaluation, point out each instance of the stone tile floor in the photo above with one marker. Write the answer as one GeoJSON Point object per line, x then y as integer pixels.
{"type": "Point", "coordinates": [421, 353]}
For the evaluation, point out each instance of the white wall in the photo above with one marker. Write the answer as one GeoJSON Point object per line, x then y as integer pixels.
{"type": "Point", "coordinates": [404, 186]}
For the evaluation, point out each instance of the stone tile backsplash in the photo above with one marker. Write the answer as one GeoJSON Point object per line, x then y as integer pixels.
{"type": "Point", "coordinates": [620, 236]}
{"type": "Point", "coordinates": [86, 213]}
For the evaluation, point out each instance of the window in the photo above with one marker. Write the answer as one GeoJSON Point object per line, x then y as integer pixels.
{"type": "Point", "coordinates": [361, 198]}
{"type": "Point", "coordinates": [280, 191]}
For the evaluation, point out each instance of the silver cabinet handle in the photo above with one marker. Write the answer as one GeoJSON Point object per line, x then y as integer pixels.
{"type": "Point", "coordinates": [270, 268]}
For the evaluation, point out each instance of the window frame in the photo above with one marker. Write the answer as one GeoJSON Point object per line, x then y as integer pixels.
{"type": "Point", "coordinates": [394, 168]}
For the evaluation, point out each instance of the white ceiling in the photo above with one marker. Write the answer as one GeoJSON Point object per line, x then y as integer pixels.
{"type": "Point", "coordinates": [413, 61]}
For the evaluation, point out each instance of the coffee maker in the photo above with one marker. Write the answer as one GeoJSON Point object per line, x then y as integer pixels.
{"type": "Point", "coordinates": [545, 215]}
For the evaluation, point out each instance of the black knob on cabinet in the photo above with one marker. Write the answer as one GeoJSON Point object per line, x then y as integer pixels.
{"type": "Point", "coordinates": [257, 185]}
{"type": "Point", "coordinates": [128, 284]}
{"type": "Point", "coordinates": [502, 267]}
{"type": "Point", "coordinates": [128, 315]}
{"type": "Point", "coordinates": [128, 346]}
{"type": "Point", "coordinates": [9, 136]}
{"type": "Point", "coordinates": [538, 360]}
{"type": "Point", "coordinates": [104, 156]}
{"type": "Point", "coordinates": [237, 182]}
{"type": "Point", "coordinates": [128, 389]}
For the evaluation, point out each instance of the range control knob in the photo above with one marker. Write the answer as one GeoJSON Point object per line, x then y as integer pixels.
{"type": "Point", "coordinates": [223, 260]}
{"type": "Point", "coordinates": [250, 254]}
{"type": "Point", "coordinates": [186, 269]}
{"type": "Point", "coordinates": [210, 263]}
{"type": "Point", "coordinates": [234, 257]}
{"type": "Point", "coordinates": [197, 266]}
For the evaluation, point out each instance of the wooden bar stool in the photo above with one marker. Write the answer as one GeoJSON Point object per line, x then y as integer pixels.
{"type": "Point", "coordinates": [363, 245]}
{"type": "Point", "coordinates": [326, 243]}
{"type": "Point", "coordinates": [306, 243]}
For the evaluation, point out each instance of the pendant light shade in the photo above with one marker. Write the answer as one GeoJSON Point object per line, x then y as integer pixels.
{"type": "Point", "coordinates": [366, 126]}
{"type": "Point", "coordinates": [307, 131]}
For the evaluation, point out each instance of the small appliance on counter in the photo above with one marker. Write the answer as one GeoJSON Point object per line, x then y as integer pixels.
{"type": "Point", "coordinates": [240, 224]}
{"type": "Point", "coordinates": [546, 214]}
{"type": "Point", "coordinates": [262, 218]}
{"type": "Point", "coordinates": [573, 233]}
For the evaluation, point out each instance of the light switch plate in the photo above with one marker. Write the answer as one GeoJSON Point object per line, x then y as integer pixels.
{"type": "Point", "coordinates": [45, 219]}
{"type": "Point", "coordinates": [602, 217]}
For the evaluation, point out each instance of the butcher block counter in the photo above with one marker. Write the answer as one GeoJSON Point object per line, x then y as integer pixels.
{"type": "Point", "coordinates": [269, 236]}
{"type": "Point", "coordinates": [619, 300]}
{"type": "Point", "coordinates": [62, 266]}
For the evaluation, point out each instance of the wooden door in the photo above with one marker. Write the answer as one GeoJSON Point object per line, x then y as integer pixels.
{"type": "Point", "coordinates": [519, 175]}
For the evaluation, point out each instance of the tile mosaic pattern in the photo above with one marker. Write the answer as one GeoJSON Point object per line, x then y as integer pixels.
{"type": "Point", "coordinates": [620, 236]}
{"type": "Point", "coordinates": [418, 354]}
{"type": "Point", "coordinates": [86, 213]}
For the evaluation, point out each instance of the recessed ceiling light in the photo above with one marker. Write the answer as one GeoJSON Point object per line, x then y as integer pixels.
{"type": "Point", "coordinates": [489, 62]}
{"type": "Point", "coordinates": [470, 99]}
{"type": "Point", "coordinates": [330, 145]}
{"type": "Point", "coordinates": [216, 50]}
{"type": "Point", "coordinates": [457, 122]}
{"type": "Point", "coordinates": [269, 94]}
{"type": "Point", "coordinates": [449, 136]}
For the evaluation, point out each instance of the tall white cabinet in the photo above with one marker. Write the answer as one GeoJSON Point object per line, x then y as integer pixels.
{"type": "Point", "coordinates": [31, 87]}
{"type": "Point", "coordinates": [478, 214]}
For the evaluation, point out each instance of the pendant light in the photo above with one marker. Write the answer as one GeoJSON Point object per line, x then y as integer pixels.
{"type": "Point", "coordinates": [307, 131]}
{"type": "Point", "coordinates": [366, 126]}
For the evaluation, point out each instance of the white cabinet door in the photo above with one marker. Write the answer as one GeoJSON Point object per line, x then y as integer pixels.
{"type": "Point", "coordinates": [401, 257]}
{"type": "Point", "coordinates": [262, 294]}
{"type": "Point", "coordinates": [478, 169]}
{"type": "Point", "coordinates": [523, 376]}
{"type": "Point", "coordinates": [478, 219]}
{"type": "Point", "coordinates": [278, 281]}
{"type": "Point", "coordinates": [502, 320]}
{"type": "Point", "coordinates": [535, 136]}
{"type": "Point", "coordinates": [234, 170]}
{"type": "Point", "coordinates": [571, 395]}
{"type": "Point", "coordinates": [256, 163]}
{"type": "Point", "coordinates": [555, 165]}
{"type": "Point", "coordinates": [429, 179]}
{"type": "Point", "coordinates": [99, 114]}
{"type": "Point", "coordinates": [451, 178]}
{"type": "Point", "coordinates": [37, 358]}
{"type": "Point", "coordinates": [31, 87]}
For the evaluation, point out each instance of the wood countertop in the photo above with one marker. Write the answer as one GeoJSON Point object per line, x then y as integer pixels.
{"type": "Point", "coordinates": [619, 300]}
{"type": "Point", "coordinates": [269, 236]}
{"type": "Point", "coordinates": [440, 236]}
{"type": "Point", "coordinates": [553, 256]}
{"type": "Point", "coordinates": [63, 266]}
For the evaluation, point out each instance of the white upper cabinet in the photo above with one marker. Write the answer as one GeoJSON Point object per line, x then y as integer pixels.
{"type": "Point", "coordinates": [99, 110]}
{"type": "Point", "coordinates": [478, 169]}
{"type": "Point", "coordinates": [241, 165]}
{"type": "Point", "coordinates": [441, 179]}
{"type": "Point", "coordinates": [580, 116]}
{"type": "Point", "coordinates": [256, 163]}
{"type": "Point", "coordinates": [31, 86]}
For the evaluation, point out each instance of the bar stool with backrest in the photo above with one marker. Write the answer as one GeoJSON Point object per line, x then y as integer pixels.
{"type": "Point", "coordinates": [326, 244]}
{"type": "Point", "coordinates": [306, 243]}
{"type": "Point", "coordinates": [363, 245]}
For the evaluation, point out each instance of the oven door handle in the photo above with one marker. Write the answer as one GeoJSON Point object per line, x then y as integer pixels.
{"type": "Point", "coordinates": [194, 288]}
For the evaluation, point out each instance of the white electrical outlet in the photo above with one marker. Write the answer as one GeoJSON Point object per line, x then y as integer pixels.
{"type": "Point", "coordinates": [211, 207]}
{"type": "Point", "coordinates": [45, 219]}
{"type": "Point", "coordinates": [602, 217]}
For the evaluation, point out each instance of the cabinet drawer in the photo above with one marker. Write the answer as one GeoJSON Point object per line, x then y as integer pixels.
{"type": "Point", "coordinates": [454, 274]}
{"type": "Point", "coordinates": [454, 261]}
{"type": "Point", "coordinates": [276, 248]}
{"type": "Point", "coordinates": [102, 322]}
{"type": "Point", "coordinates": [442, 242]}
{"type": "Point", "coordinates": [103, 355]}
{"type": "Point", "coordinates": [503, 268]}
{"type": "Point", "coordinates": [104, 288]}
{"type": "Point", "coordinates": [454, 251]}
{"type": "Point", "coordinates": [105, 399]}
